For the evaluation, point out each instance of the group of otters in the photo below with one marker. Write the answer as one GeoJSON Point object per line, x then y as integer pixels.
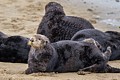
{"type": "Point", "coordinates": [63, 44]}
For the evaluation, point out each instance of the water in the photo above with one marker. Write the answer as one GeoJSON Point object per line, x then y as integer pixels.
{"type": "Point", "coordinates": [112, 22]}
{"type": "Point", "coordinates": [107, 10]}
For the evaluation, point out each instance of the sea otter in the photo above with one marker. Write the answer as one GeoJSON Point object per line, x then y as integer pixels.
{"type": "Point", "coordinates": [67, 56]}
{"type": "Point", "coordinates": [14, 49]}
{"type": "Point", "coordinates": [105, 39]}
{"type": "Point", "coordinates": [57, 26]}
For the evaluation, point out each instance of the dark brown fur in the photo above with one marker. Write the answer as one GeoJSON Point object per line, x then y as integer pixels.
{"type": "Point", "coordinates": [57, 26]}
{"type": "Point", "coordinates": [13, 49]}
{"type": "Point", "coordinates": [68, 56]}
{"type": "Point", "coordinates": [108, 38]}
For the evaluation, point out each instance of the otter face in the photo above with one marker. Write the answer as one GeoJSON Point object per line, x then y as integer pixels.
{"type": "Point", "coordinates": [38, 41]}
{"type": "Point", "coordinates": [53, 6]}
{"type": "Point", "coordinates": [92, 41]}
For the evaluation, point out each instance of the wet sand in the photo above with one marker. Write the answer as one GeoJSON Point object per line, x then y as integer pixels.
{"type": "Point", "coordinates": [22, 17]}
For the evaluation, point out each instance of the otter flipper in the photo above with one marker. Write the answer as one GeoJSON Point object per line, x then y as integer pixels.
{"type": "Point", "coordinates": [101, 68]}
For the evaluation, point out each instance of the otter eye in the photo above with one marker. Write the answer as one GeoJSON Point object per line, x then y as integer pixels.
{"type": "Point", "coordinates": [46, 42]}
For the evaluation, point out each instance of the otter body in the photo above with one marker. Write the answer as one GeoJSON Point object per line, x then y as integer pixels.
{"type": "Point", "coordinates": [105, 39]}
{"type": "Point", "coordinates": [14, 49]}
{"type": "Point", "coordinates": [57, 26]}
{"type": "Point", "coordinates": [67, 56]}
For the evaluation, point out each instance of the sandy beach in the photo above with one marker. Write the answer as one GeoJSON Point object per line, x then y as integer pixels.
{"type": "Point", "coordinates": [22, 17]}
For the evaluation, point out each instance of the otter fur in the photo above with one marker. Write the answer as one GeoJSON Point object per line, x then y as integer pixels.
{"type": "Point", "coordinates": [67, 56]}
{"type": "Point", "coordinates": [105, 39]}
{"type": "Point", "coordinates": [57, 26]}
{"type": "Point", "coordinates": [14, 49]}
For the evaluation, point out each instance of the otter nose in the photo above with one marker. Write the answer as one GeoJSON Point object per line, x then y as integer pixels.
{"type": "Point", "coordinates": [32, 40]}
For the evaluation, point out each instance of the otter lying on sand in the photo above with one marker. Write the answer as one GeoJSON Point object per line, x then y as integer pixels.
{"type": "Point", "coordinates": [13, 49]}
{"type": "Point", "coordinates": [105, 39]}
{"type": "Point", "coordinates": [57, 26]}
{"type": "Point", "coordinates": [67, 56]}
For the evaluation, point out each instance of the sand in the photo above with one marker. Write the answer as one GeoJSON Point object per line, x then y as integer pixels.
{"type": "Point", "coordinates": [22, 17]}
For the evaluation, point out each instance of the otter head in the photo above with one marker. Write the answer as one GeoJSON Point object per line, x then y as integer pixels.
{"type": "Point", "coordinates": [54, 7]}
{"type": "Point", "coordinates": [92, 41]}
{"type": "Point", "coordinates": [38, 41]}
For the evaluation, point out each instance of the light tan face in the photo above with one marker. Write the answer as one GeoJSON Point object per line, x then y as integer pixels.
{"type": "Point", "coordinates": [90, 40]}
{"type": "Point", "coordinates": [38, 41]}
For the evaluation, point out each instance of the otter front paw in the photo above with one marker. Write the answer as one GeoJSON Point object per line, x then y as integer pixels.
{"type": "Point", "coordinates": [28, 71]}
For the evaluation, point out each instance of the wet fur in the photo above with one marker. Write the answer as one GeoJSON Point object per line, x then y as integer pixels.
{"type": "Point", "coordinates": [105, 39]}
{"type": "Point", "coordinates": [57, 26]}
{"type": "Point", "coordinates": [69, 56]}
{"type": "Point", "coordinates": [14, 49]}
